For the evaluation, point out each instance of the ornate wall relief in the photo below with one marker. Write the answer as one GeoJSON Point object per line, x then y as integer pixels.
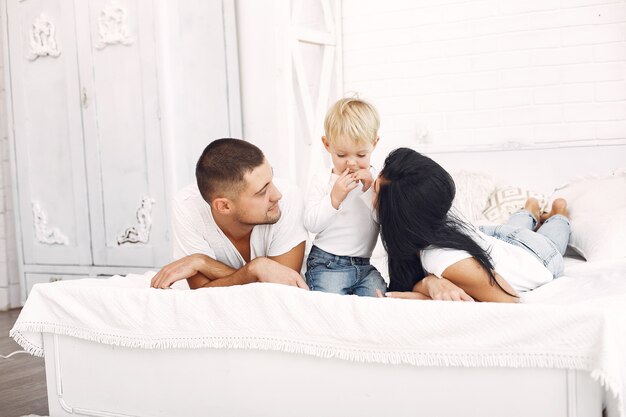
{"type": "Point", "coordinates": [43, 232]}
{"type": "Point", "coordinates": [112, 26]}
{"type": "Point", "coordinates": [43, 39]}
{"type": "Point", "coordinates": [141, 232]}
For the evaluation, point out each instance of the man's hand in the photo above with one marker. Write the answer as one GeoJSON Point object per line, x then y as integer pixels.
{"type": "Point", "coordinates": [267, 270]}
{"type": "Point", "coordinates": [183, 268]}
{"type": "Point", "coordinates": [365, 176]}
{"type": "Point", "coordinates": [344, 184]}
{"type": "Point", "coordinates": [202, 271]}
{"type": "Point", "coordinates": [441, 289]}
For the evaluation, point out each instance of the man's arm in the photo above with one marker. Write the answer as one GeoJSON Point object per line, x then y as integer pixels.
{"type": "Point", "coordinates": [202, 271]}
{"type": "Point", "coordinates": [261, 270]}
{"type": "Point", "coordinates": [270, 269]}
{"type": "Point", "coordinates": [198, 269]}
{"type": "Point", "coordinates": [292, 259]}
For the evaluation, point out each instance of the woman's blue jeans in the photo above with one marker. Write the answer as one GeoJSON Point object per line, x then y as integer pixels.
{"type": "Point", "coordinates": [548, 243]}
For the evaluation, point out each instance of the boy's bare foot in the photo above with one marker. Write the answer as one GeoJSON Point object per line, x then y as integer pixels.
{"type": "Point", "coordinates": [532, 205]}
{"type": "Point", "coordinates": [559, 206]}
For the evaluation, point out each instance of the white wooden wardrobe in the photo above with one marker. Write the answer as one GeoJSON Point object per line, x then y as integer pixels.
{"type": "Point", "coordinates": [109, 105]}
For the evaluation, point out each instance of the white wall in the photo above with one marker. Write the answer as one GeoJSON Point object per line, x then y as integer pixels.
{"type": "Point", "coordinates": [261, 68]}
{"type": "Point", "coordinates": [193, 77]}
{"type": "Point", "coordinates": [271, 90]}
{"type": "Point", "coordinates": [450, 72]}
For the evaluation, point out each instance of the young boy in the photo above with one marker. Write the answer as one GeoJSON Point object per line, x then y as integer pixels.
{"type": "Point", "coordinates": [338, 211]}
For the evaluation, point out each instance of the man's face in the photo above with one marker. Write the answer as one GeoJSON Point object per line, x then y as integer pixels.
{"type": "Point", "coordinates": [258, 201]}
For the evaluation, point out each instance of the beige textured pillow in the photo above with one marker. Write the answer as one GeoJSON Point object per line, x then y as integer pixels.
{"type": "Point", "coordinates": [472, 191]}
{"type": "Point", "coordinates": [505, 201]}
{"type": "Point", "coordinates": [597, 208]}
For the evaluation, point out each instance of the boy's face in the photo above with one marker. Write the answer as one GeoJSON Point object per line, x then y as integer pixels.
{"type": "Point", "coordinates": [347, 154]}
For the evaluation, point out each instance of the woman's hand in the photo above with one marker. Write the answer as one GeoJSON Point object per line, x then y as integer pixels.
{"type": "Point", "coordinates": [437, 289]}
{"type": "Point", "coordinates": [407, 295]}
{"type": "Point", "coordinates": [441, 289]}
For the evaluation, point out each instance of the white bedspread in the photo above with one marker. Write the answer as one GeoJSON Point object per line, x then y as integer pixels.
{"type": "Point", "coordinates": [575, 322]}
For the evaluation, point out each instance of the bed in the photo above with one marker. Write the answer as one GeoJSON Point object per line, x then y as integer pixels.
{"type": "Point", "coordinates": [278, 351]}
{"type": "Point", "coordinates": [115, 347]}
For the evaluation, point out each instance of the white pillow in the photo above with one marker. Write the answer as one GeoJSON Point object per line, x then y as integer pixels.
{"type": "Point", "coordinates": [597, 208]}
{"type": "Point", "coordinates": [507, 200]}
{"type": "Point", "coordinates": [472, 191]}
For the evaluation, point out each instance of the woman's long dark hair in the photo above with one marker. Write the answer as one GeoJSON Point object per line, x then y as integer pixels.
{"type": "Point", "coordinates": [414, 201]}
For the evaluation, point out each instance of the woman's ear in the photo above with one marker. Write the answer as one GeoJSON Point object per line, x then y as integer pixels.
{"type": "Point", "coordinates": [375, 142]}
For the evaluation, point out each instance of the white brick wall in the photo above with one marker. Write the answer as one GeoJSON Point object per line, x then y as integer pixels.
{"type": "Point", "coordinates": [485, 72]}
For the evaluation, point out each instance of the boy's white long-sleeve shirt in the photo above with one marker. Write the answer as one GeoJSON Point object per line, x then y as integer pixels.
{"type": "Point", "coordinates": [349, 231]}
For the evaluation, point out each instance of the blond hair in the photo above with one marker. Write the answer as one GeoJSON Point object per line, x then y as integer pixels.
{"type": "Point", "coordinates": [353, 118]}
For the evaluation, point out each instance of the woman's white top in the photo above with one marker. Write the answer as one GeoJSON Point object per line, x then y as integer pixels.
{"type": "Point", "coordinates": [522, 270]}
{"type": "Point", "coordinates": [350, 230]}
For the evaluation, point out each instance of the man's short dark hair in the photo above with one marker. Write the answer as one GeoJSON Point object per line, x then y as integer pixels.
{"type": "Point", "coordinates": [223, 165]}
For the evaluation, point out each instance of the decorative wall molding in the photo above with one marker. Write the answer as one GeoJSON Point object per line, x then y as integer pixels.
{"type": "Point", "coordinates": [141, 232]}
{"type": "Point", "coordinates": [45, 233]}
{"type": "Point", "coordinates": [43, 38]}
{"type": "Point", "coordinates": [113, 28]}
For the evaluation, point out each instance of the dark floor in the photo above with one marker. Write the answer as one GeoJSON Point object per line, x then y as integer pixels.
{"type": "Point", "coordinates": [22, 376]}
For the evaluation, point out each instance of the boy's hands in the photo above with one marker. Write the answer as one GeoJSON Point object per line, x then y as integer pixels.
{"type": "Point", "coordinates": [348, 182]}
{"type": "Point", "coordinates": [365, 176]}
{"type": "Point", "coordinates": [344, 184]}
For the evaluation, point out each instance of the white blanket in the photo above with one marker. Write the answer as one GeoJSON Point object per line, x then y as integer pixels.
{"type": "Point", "coordinates": [548, 330]}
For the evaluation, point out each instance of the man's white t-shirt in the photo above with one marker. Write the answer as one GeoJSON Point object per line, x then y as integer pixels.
{"type": "Point", "coordinates": [349, 231]}
{"type": "Point", "coordinates": [522, 270]}
{"type": "Point", "coordinates": [194, 230]}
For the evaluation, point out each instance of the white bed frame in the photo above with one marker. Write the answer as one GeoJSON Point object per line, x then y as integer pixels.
{"type": "Point", "coordinates": [92, 379]}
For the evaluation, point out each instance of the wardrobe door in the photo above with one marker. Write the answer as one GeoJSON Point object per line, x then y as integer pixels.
{"type": "Point", "coordinates": [122, 132]}
{"type": "Point", "coordinates": [47, 132]}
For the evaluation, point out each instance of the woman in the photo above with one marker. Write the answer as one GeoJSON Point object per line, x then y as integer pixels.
{"type": "Point", "coordinates": [435, 255]}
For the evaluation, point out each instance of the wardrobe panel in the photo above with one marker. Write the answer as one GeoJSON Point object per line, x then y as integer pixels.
{"type": "Point", "coordinates": [47, 128]}
{"type": "Point", "coordinates": [128, 211]}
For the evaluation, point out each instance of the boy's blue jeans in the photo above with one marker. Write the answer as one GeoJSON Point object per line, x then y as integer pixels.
{"type": "Point", "coordinates": [548, 243]}
{"type": "Point", "coordinates": [342, 274]}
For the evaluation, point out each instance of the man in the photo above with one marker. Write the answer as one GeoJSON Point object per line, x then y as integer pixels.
{"type": "Point", "coordinates": [235, 227]}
